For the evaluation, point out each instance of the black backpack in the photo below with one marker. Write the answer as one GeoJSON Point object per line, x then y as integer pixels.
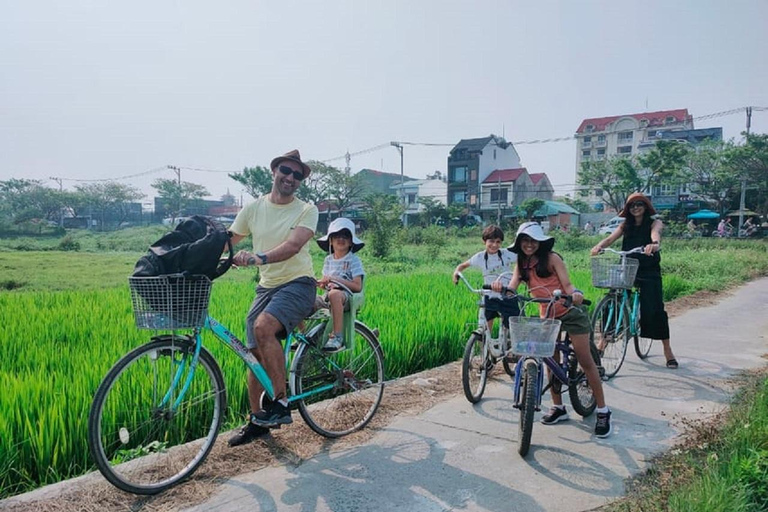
{"type": "Point", "coordinates": [193, 248]}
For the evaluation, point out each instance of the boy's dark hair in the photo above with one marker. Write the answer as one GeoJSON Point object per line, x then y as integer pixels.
{"type": "Point", "coordinates": [493, 231]}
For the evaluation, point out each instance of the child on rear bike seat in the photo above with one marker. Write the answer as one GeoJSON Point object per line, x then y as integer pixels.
{"type": "Point", "coordinates": [493, 262]}
{"type": "Point", "coordinates": [341, 265]}
{"type": "Point", "coordinates": [545, 272]}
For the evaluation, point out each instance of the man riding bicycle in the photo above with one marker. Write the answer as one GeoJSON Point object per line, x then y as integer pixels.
{"type": "Point", "coordinates": [280, 225]}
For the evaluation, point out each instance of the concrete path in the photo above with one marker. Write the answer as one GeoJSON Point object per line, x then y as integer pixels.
{"type": "Point", "coordinates": [459, 456]}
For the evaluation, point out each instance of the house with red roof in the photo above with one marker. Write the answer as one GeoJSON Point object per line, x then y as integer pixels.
{"type": "Point", "coordinates": [600, 138]}
{"type": "Point", "coordinates": [505, 189]}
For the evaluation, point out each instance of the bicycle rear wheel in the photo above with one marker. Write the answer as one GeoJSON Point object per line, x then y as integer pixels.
{"type": "Point", "coordinates": [579, 390]}
{"type": "Point", "coordinates": [142, 441]}
{"type": "Point", "coordinates": [340, 391]}
{"type": "Point", "coordinates": [474, 368]}
{"type": "Point", "coordinates": [610, 335]}
{"type": "Point", "coordinates": [642, 345]}
{"type": "Point", "coordinates": [528, 401]}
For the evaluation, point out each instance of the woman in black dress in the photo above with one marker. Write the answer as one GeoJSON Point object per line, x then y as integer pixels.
{"type": "Point", "coordinates": [641, 229]}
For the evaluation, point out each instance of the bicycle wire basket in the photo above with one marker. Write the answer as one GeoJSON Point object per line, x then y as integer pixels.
{"type": "Point", "coordinates": [533, 336]}
{"type": "Point", "coordinates": [170, 302]}
{"type": "Point", "coordinates": [608, 272]}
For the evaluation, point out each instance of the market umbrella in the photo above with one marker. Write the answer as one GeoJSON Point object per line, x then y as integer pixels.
{"type": "Point", "coordinates": [746, 213]}
{"type": "Point", "coordinates": [704, 214]}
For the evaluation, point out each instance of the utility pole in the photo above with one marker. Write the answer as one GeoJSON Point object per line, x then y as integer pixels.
{"type": "Point", "coordinates": [177, 206]}
{"type": "Point", "coordinates": [742, 203]}
{"type": "Point", "coordinates": [498, 203]}
{"type": "Point", "coordinates": [402, 181]}
{"type": "Point", "coordinates": [61, 189]}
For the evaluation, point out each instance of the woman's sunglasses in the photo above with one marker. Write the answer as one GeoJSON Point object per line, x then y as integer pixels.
{"type": "Point", "coordinates": [638, 204]}
{"type": "Point", "coordinates": [297, 175]}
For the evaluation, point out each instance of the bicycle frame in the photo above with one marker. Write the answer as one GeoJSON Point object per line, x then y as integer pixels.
{"type": "Point", "coordinates": [625, 296]}
{"type": "Point", "coordinates": [235, 345]}
{"type": "Point", "coordinates": [558, 369]}
{"type": "Point", "coordinates": [482, 323]}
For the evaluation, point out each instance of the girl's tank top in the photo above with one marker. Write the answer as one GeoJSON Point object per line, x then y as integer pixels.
{"type": "Point", "coordinates": [542, 287]}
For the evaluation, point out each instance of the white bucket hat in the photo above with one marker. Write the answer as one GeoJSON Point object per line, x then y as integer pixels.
{"type": "Point", "coordinates": [337, 226]}
{"type": "Point", "coordinates": [533, 230]}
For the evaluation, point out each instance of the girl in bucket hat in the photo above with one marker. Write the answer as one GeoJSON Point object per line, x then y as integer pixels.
{"type": "Point", "coordinates": [341, 265]}
{"type": "Point", "coordinates": [545, 272]}
{"type": "Point", "coordinates": [641, 229]}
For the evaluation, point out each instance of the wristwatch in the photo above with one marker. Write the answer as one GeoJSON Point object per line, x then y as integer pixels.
{"type": "Point", "coordinates": [262, 257]}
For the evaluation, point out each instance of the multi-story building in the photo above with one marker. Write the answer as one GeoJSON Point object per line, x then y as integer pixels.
{"type": "Point", "coordinates": [470, 163]}
{"type": "Point", "coordinates": [624, 135]}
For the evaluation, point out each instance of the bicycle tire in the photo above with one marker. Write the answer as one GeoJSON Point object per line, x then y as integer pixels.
{"type": "Point", "coordinates": [615, 338]}
{"type": "Point", "coordinates": [579, 390]}
{"type": "Point", "coordinates": [356, 378]}
{"type": "Point", "coordinates": [140, 445]}
{"type": "Point", "coordinates": [474, 368]}
{"type": "Point", "coordinates": [642, 344]}
{"type": "Point", "coordinates": [509, 366]}
{"type": "Point", "coordinates": [527, 406]}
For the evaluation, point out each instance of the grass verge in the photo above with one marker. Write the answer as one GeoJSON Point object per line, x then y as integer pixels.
{"type": "Point", "coordinates": [722, 464]}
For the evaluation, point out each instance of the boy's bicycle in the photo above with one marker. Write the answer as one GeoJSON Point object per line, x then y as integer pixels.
{"type": "Point", "coordinates": [157, 413]}
{"type": "Point", "coordinates": [617, 316]}
{"type": "Point", "coordinates": [535, 340]}
{"type": "Point", "coordinates": [482, 351]}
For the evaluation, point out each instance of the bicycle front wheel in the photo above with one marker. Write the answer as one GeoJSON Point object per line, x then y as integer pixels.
{"type": "Point", "coordinates": [145, 432]}
{"type": "Point", "coordinates": [610, 335]}
{"type": "Point", "coordinates": [579, 390]}
{"type": "Point", "coordinates": [527, 406]}
{"type": "Point", "coordinates": [642, 345]}
{"type": "Point", "coordinates": [340, 392]}
{"type": "Point", "coordinates": [474, 368]}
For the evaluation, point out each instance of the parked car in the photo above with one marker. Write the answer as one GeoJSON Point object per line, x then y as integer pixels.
{"type": "Point", "coordinates": [610, 226]}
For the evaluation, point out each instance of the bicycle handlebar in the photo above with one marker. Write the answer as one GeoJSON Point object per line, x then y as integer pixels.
{"type": "Point", "coordinates": [558, 295]}
{"type": "Point", "coordinates": [636, 250]}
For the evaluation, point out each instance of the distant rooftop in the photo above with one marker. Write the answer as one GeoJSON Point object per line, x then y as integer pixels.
{"type": "Point", "coordinates": [505, 175]}
{"type": "Point", "coordinates": [654, 119]}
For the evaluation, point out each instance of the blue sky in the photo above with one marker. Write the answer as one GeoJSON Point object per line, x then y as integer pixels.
{"type": "Point", "coordinates": [92, 90]}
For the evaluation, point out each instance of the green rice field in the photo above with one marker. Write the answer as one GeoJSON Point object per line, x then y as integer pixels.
{"type": "Point", "coordinates": [57, 345]}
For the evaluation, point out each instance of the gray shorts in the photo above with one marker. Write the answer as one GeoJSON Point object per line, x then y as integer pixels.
{"type": "Point", "coordinates": [290, 303]}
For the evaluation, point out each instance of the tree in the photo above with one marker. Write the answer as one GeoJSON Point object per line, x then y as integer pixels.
{"type": "Point", "coordinates": [433, 210]}
{"type": "Point", "coordinates": [530, 205]}
{"type": "Point", "coordinates": [577, 204]}
{"type": "Point", "coordinates": [616, 178]}
{"type": "Point", "coordinates": [256, 180]}
{"type": "Point", "coordinates": [178, 195]}
{"type": "Point", "coordinates": [707, 172]}
{"type": "Point", "coordinates": [664, 163]}
{"type": "Point", "coordinates": [22, 200]}
{"type": "Point", "coordinates": [750, 160]}
{"type": "Point", "coordinates": [383, 218]}
{"type": "Point", "coordinates": [319, 185]}
{"type": "Point", "coordinates": [107, 197]}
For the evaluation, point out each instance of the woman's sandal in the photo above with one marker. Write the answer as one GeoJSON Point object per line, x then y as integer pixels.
{"type": "Point", "coordinates": [672, 364]}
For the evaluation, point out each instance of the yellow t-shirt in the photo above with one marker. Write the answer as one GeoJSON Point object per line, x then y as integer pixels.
{"type": "Point", "coordinates": [270, 225]}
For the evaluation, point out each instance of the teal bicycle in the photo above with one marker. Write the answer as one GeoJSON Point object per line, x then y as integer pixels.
{"type": "Point", "coordinates": [157, 413]}
{"type": "Point", "coordinates": [617, 316]}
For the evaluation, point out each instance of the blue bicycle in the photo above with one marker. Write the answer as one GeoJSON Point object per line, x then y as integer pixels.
{"type": "Point", "coordinates": [157, 413]}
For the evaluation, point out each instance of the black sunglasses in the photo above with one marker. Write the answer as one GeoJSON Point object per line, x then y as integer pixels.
{"type": "Point", "coordinates": [297, 175]}
{"type": "Point", "coordinates": [637, 204]}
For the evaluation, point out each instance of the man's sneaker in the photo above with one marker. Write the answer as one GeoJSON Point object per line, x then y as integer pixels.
{"type": "Point", "coordinates": [334, 344]}
{"type": "Point", "coordinates": [603, 424]}
{"type": "Point", "coordinates": [274, 415]}
{"type": "Point", "coordinates": [554, 415]}
{"type": "Point", "coordinates": [248, 433]}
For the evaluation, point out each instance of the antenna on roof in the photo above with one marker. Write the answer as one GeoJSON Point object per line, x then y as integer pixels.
{"type": "Point", "coordinates": [646, 103]}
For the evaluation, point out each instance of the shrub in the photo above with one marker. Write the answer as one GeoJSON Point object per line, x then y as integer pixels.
{"type": "Point", "coordinates": [68, 244]}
